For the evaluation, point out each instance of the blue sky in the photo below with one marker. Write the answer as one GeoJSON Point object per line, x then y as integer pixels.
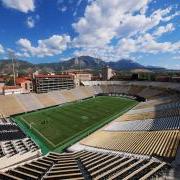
{"type": "Point", "coordinates": [146, 31]}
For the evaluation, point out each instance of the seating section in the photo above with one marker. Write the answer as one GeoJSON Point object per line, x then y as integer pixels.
{"type": "Point", "coordinates": [168, 123]}
{"type": "Point", "coordinates": [57, 97]}
{"type": "Point", "coordinates": [29, 102]}
{"type": "Point", "coordinates": [127, 148]}
{"type": "Point", "coordinates": [10, 131]}
{"type": "Point", "coordinates": [68, 95]}
{"type": "Point", "coordinates": [45, 99]}
{"type": "Point", "coordinates": [88, 91]}
{"type": "Point", "coordinates": [97, 89]}
{"type": "Point", "coordinates": [21, 146]}
{"type": "Point", "coordinates": [83, 92]}
{"type": "Point", "coordinates": [135, 89]}
{"type": "Point", "coordinates": [15, 146]}
{"type": "Point", "coordinates": [150, 129]}
{"type": "Point", "coordinates": [86, 165]}
{"type": "Point", "coordinates": [163, 85]}
{"type": "Point", "coordinates": [15, 104]}
{"type": "Point", "coordinates": [150, 115]}
{"type": "Point", "coordinates": [152, 143]}
{"type": "Point", "coordinates": [158, 101]}
{"type": "Point", "coordinates": [20, 103]}
{"type": "Point", "coordinates": [78, 93]}
{"type": "Point", "coordinates": [17, 151]}
{"type": "Point", "coordinates": [121, 89]}
{"type": "Point", "coordinates": [4, 120]}
{"type": "Point", "coordinates": [164, 107]}
{"type": "Point", "coordinates": [10, 105]}
{"type": "Point", "coordinates": [149, 93]}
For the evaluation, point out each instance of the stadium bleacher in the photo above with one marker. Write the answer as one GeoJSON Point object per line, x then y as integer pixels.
{"type": "Point", "coordinates": [157, 124]}
{"type": "Point", "coordinates": [150, 115]}
{"type": "Point", "coordinates": [45, 99]}
{"type": "Point", "coordinates": [15, 146]}
{"type": "Point", "coordinates": [4, 120]}
{"type": "Point", "coordinates": [157, 101]}
{"type": "Point", "coordinates": [85, 165]}
{"type": "Point", "coordinates": [10, 105]}
{"type": "Point", "coordinates": [149, 92]}
{"type": "Point", "coordinates": [149, 131]}
{"type": "Point", "coordinates": [97, 90]}
{"type": "Point", "coordinates": [57, 97]}
{"type": "Point", "coordinates": [29, 101]}
{"type": "Point", "coordinates": [159, 143]}
{"type": "Point", "coordinates": [89, 91]}
{"type": "Point", "coordinates": [135, 89]}
{"type": "Point", "coordinates": [78, 93]}
{"type": "Point", "coordinates": [69, 96]}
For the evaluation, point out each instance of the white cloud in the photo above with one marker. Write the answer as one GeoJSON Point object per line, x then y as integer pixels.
{"type": "Point", "coordinates": [22, 55]}
{"type": "Point", "coordinates": [21, 5]}
{"type": "Point", "coordinates": [90, 1]}
{"type": "Point", "coordinates": [54, 45]}
{"type": "Point", "coordinates": [113, 29]}
{"type": "Point", "coordinates": [127, 47]}
{"type": "Point", "coordinates": [1, 49]}
{"type": "Point", "coordinates": [31, 21]}
{"type": "Point", "coordinates": [177, 57]}
{"type": "Point", "coordinates": [79, 2]}
{"type": "Point", "coordinates": [146, 44]}
{"type": "Point", "coordinates": [77, 7]}
{"type": "Point", "coordinates": [63, 9]}
{"type": "Point", "coordinates": [164, 29]}
{"type": "Point", "coordinates": [107, 19]}
{"type": "Point", "coordinates": [109, 29]}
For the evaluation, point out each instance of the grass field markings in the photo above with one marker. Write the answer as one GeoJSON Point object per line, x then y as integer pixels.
{"type": "Point", "coordinates": [33, 128]}
{"type": "Point", "coordinates": [77, 134]}
{"type": "Point", "coordinates": [38, 140]}
{"type": "Point", "coordinates": [75, 111]}
{"type": "Point", "coordinates": [84, 117]}
{"type": "Point", "coordinates": [81, 132]}
{"type": "Point", "coordinates": [85, 134]}
{"type": "Point", "coordinates": [54, 145]}
{"type": "Point", "coordinates": [82, 110]}
{"type": "Point", "coordinates": [88, 110]}
{"type": "Point", "coordinates": [48, 108]}
{"type": "Point", "coordinates": [103, 122]}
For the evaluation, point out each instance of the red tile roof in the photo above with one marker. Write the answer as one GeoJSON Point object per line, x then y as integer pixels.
{"type": "Point", "coordinates": [54, 76]}
{"type": "Point", "coordinates": [11, 87]}
{"type": "Point", "coordinates": [1, 79]}
{"type": "Point", "coordinates": [20, 80]}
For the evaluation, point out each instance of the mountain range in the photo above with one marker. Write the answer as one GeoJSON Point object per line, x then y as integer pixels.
{"type": "Point", "coordinates": [82, 62]}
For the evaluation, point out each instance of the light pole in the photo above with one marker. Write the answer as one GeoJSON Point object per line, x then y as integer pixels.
{"type": "Point", "coordinates": [11, 56]}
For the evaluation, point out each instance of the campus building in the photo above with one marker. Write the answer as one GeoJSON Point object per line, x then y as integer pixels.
{"type": "Point", "coordinates": [46, 83]}
{"type": "Point", "coordinates": [25, 83]}
{"type": "Point", "coordinates": [107, 73]}
{"type": "Point", "coordinates": [1, 85]}
{"type": "Point", "coordinates": [10, 90]}
{"type": "Point", "coordinates": [80, 76]}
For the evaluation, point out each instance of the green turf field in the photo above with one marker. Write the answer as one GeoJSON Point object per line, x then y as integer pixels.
{"type": "Point", "coordinates": [57, 126]}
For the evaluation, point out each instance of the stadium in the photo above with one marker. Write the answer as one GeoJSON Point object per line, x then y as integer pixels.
{"type": "Point", "coordinates": [99, 130]}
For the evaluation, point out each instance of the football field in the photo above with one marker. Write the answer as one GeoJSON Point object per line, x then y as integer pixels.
{"type": "Point", "coordinates": [58, 127]}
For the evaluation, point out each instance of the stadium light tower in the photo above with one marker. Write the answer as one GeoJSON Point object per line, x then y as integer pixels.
{"type": "Point", "coordinates": [12, 57]}
{"type": "Point", "coordinates": [79, 62]}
